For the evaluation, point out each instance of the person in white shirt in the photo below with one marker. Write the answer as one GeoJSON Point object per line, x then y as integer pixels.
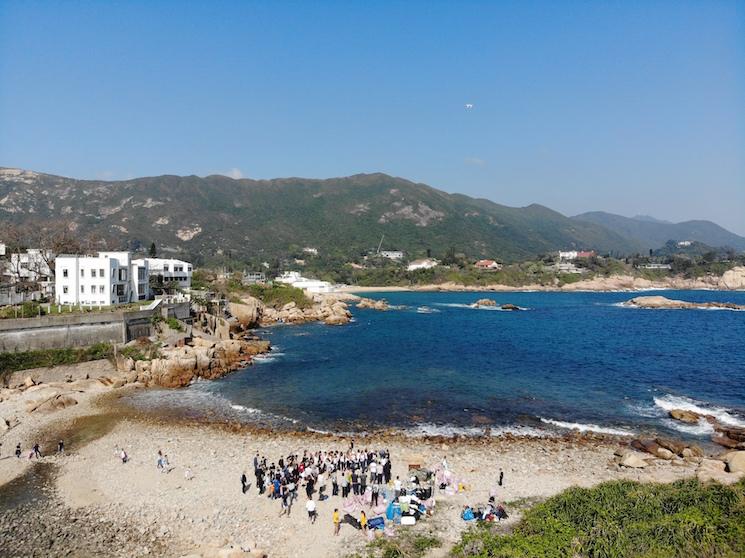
{"type": "Point", "coordinates": [310, 505]}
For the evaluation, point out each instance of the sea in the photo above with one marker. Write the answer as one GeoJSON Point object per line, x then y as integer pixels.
{"type": "Point", "coordinates": [435, 365]}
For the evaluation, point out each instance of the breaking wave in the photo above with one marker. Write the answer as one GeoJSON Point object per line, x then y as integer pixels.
{"type": "Point", "coordinates": [722, 414]}
{"type": "Point", "coordinates": [587, 427]}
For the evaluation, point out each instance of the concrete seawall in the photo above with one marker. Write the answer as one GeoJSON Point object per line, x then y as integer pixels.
{"type": "Point", "coordinates": [80, 330]}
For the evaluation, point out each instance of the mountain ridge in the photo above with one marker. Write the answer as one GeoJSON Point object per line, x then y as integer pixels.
{"type": "Point", "coordinates": [344, 217]}
{"type": "Point", "coordinates": [654, 233]}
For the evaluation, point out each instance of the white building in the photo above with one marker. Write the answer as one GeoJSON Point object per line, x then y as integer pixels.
{"type": "Point", "coordinates": [31, 266]}
{"type": "Point", "coordinates": [310, 250]}
{"type": "Point", "coordinates": [426, 263]}
{"type": "Point", "coordinates": [568, 256]}
{"type": "Point", "coordinates": [2, 248]}
{"type": "Point", "coordinates": [392, 254]}
{"type": "Point", "coordinates": [168, 270]}
{"type": "Point", "coordinates": [296, 280]}
{"type": "Point", "coordinates": [102, 280]}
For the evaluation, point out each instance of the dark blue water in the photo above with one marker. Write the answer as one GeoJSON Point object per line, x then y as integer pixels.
{"type": "Point", "coordinates": [571, 360]}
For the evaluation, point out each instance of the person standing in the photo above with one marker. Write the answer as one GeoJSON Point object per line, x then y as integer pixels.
{"type": "Point", "coordinates": [335, 518]}
{"type": "Point", "coordinates": [60, 447]}
{"type": "Point", "coordinates": [334, 484]}
{"type": "Point", "coordinates": [37, 451]}
{"type": "Point", "coordinates": [310, 505]}
{"type": "Point", "coordinates": [363, 521]}
{"type": "Point", "coordinates": [18, 451]}
{"type": "Point", "coordinates": [375, 494]}
{"type": "Point", "coordinates": [501, 477]}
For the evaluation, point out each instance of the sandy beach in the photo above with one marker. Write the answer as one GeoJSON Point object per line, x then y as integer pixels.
{"type": "Point", "coordinates": [207, 515]}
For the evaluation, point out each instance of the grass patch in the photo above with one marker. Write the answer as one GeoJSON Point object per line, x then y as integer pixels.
{"type": "Point", "coordinates": [405, 545]}
{"type": "Point", "coordinates": [141, 351]}
{"type": "Point", "coordinates": [277, 296]}
{"type": "Point", "coordinates": [13, 362]}
{"type": "Point", "coordinates": [623, 519]}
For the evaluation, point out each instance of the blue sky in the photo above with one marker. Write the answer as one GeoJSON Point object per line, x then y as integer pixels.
{"type": "Point", "coordinates": [629, 107]}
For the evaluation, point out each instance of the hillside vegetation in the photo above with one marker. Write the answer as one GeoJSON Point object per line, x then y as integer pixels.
{"type": "Point", "coordinates": [623, 519]}
{"type": "Point", "coordinates": [215, 217]}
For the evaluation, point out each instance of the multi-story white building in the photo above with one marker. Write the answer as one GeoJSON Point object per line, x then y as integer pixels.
{"type": "Point", "coordinates": [166, 271]}
{"type": "Point", "coordinates": [31, 266]}
{"type": "Point", "coordinates": [102, 280]}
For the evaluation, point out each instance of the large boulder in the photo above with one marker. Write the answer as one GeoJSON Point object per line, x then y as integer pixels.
{"type": "Point", "coordinates": [682, 415]}
{"type": "Point", "coordinates": [248, 312]}
{"type": "Point", "coordinates": [485, 302]}
{"type": "Point", "coordinates": [734, 279]}
{"type": "Point", "coordinates": [633, 460]}
{"type": "Point", "coordinates": [735, 461]}
{"type": "Point", "coordinates": [714, 470]}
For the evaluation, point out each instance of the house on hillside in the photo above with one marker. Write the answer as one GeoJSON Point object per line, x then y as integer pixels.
{"type": "Point", "coordinates": [395, 255]}
{"type": "Point", "coordinates": [574, 254]}
{"type": "Point", "coordinates": [167, 271]}
{"type": "Point", "coordinates": [294, 279]}
{"type": "Point", "coordinates": [426, 263]}
{"type": "Point", "coordinates": [107, 279]}
{"type": "Point", "coordinates": [488, 265]}
{"type": "Point", "coordinates": [30, 268]}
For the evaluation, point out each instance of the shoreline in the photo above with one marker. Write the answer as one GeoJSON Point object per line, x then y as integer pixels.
{"type": "Point", "coordinates": [206, 514]}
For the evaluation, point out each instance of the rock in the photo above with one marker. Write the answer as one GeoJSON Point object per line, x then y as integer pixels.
{"type": "Point", "coordinates": [692, 451]}
{"type": "Point", "coordinates": [725, 441]}
{"type": "Point", "coordinates": [714, 470]}
{"type": "Point", "coordinates": [484, 302]}
{"type": "Point", "coordinates": [662, 302]}
{"type": "Point", "coordinates": [381, 304]}
{"type": "Point", "coordinates": [511, 307]}
{"type": "Point", "coordinates": [664, 453]}
{"type": "Point", "coordinates": [734, 279]}
{"type": "Point", "coordinates": [4, 425]}
{"type": "Point", "coordinates": [688, 417]}
{"type": "Point", "coordinates": [675, 447]}
{"type": "Point", "coordinates": [29, 382]}
{"type": "Point", "coordinates": [735, 461]}
{"type": "Point", "coordinates": [633, 460]}
{"type": "Point", "coordinates": [248, 312]}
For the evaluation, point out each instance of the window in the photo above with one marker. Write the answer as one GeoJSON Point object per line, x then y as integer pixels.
{"type": "Point", "coordinates": [82, 273]}
{"type": "Point", "coordinates": [64, 273]}
{"type": "Point", "coordinates": [64, 290]}
{"type": "Point", "coordinates": [100, 272]}
{"type": "Point", "coordinates": [189, 268]}
{"type": "Point", "coordinates": [165, 267]}
{"type": "Point", "coordinates": [101, 289]}
{"type": "Point", "coordinates": [93, 272]}
{"type": "Point", "coordinates": [82, 289]}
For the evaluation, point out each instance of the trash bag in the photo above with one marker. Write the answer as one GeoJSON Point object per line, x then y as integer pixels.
{"type": "Point", "coordinates": [351, 520]}
{"type": "Point", "coordinates": [467, 515]}
{"type": "Point", "coordinates": [376, 523]}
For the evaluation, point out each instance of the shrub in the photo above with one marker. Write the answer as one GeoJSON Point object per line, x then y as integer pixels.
{"type": "Point", "coordinates": [623, 519]}
{"type": "Point", "coordinates": [12, 362]}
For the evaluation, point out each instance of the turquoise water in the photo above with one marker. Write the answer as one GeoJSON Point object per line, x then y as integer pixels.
{"type": "Point", "coordinates": [571, 360]}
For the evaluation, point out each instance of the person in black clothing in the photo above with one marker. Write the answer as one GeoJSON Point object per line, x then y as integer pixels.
{"type": "Point", "coordinates": [355, 483]}
{"type": "Point", "coordinates": [375, 492]}
{"type": "Point", "coordinates": [244, 483]}
{"type": "Point", "coordinates": [60, 447]}
{"type": "Point", "coordinates": [18, 450]}
{"type": "Point", "coordinates": [501, 477]}
{"type": "Point", "coordinates": [37, 451]}
{"type": "Point", "coordinates": [309, 487]}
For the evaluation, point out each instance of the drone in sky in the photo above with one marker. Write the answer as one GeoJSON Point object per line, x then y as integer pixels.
{"type": "Point", "coordinates": [469, 106]}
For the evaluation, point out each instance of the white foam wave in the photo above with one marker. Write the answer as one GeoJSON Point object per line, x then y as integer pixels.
{"type": "Point", "coordinates": [250, 410]}
{"type": "Point", "coordinates": [702, 428]}
{"type": "Point", "coordinates": [449, 430]}
{"type": "Point", "coordinates": [722, 414]}
{"type": "Point", "coordinates": [475, 307]}
{"type": "Point", "coordinates": [587, 427]}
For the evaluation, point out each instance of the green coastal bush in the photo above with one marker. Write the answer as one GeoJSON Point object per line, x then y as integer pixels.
{"type": "Point", "coordinates": [12, 362]}
{"type": "Point", "coordinates": [277, 296]}
{"type": "Point", "coordinates": [623, 519]}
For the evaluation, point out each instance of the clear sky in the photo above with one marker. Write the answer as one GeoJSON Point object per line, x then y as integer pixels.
{"type": "Point", "coordinates": [629, 107]}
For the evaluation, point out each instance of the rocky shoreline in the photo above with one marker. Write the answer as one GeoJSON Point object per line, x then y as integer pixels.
{"type": "Point", "coordinates": [661, 302]}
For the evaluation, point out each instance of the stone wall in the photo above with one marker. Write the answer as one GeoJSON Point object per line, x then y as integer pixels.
{"type": "Point", "coordinates": [77, 330]}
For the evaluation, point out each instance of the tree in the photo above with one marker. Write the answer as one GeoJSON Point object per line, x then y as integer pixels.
{"type": "Point", "coordinates": [152, 252]}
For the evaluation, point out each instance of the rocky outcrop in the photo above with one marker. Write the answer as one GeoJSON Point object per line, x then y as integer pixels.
{"type": "Point", "coordinates": [666, 303]}
{"type": "Point", "coordinates": [381, 304]}
{"type": "Point", "coordinates": [734, 279]}
{"type": "Point", "coordinates": [688, 417]}
{"type": "Point", "coordinates": [179, 366]}
{"type": "Point", "coordinates": [484, 302]}
{"type": "Point", "coordinates": [735, 461]}
{"type": "Point", "coordinates": [248, 312]}
{"type": "Point", "coordinates": [663, 448]}
{"type": "Point", "coordinates": [510, 307]}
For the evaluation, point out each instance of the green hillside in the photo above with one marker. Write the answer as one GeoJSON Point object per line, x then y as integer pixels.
{"type": "Point", "coordinates": [653, 234]}
{"type": "Point", "coordinates": [344, 217]}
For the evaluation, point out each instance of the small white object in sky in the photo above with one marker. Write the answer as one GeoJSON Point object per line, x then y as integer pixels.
{"type": "Point", "coordinates": [469, 106]}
